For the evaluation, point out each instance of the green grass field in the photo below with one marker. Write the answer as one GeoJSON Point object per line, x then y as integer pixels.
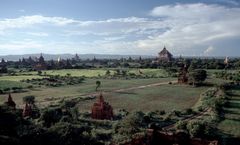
{"type": "Point", "coordinates": [10, 84]}
{"type": "Point", "coordinates": [88, 86]}
{"type": "Point", "coordinates": [97, 72]}
{"type": "Point", "coordinates": [163, 97]}
{"type": "Point", "coordinates": [18, 78]}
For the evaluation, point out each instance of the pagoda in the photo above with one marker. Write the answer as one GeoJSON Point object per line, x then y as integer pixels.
{"type": "Point", "coordinates": [102, 110]}
{"type": "Point", "coordinates": [165, 55]}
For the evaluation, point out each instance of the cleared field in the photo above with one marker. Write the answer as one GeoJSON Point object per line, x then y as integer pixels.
{"type": "Point", "coordinates": [100, 72]}
{"type": "Point", "coordinates": [18, 78]}
{"type": "Point", "coordinates": [11, 84]}
{"type": "Point", "coordinates": [88, 86]}
{"type": "Point", "coordinates": [163, 97]}
{"type": "Point", "coordinates": [231, 124]}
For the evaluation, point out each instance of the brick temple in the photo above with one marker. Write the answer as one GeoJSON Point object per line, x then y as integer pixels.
{"type": "Point", "coordinates": [183, 75]}
{"type": "Point", "coordinates": [102, 110]}
{"type": "Point", "coordinates": [10, 102]}
{"type": "Point", "coordinates": [27, 110]}
{"type": "Point", "coordinates": [165, 55]}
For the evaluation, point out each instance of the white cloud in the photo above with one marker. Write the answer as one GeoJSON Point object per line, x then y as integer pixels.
{"type": "Point", "coordinates": [209, 51]}
{"type": "Point", "coordinates": [26, 21]}
{"type": "Point", "coordinates": [40, 34]}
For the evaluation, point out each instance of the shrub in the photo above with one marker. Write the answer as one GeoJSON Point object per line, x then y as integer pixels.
{"type": "Point", "coordinates": [29, 99]}
{"type": "Point", "coordinates": [181, 125]}
{"type": "Point", "coordinates": [51, 116]}
{"type": "Point", "coordinates": [6, 89]}
{"type": "Point", "coordinates": [195, 128]}
{"type": "Point", "coordinates": [131, 124]}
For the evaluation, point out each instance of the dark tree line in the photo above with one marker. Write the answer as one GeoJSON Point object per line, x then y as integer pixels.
{"type": "Point", "coordinates": [77, 63]}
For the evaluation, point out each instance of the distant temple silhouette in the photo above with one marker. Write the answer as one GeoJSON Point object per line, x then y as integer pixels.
{"type": "Point", "coordinates": [165, 55]}
{"type": "Point", "coordinates": [10, 102]}
{"type": "Point", "coordinates": [41, 64]}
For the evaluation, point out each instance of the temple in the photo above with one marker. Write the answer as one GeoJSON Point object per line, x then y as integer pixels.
{"type": "Point", "coordinates": [102, 110]}
{"type": "Point", "coordinates": [226, 61]}
{"type": "Point", "coordinates": [165, 55]}
{"type": "Point", "coordinates": [183, 75]}
{"type": "Point", "coordinates": [10, 102]}
{"type": "Point", "coordinates": [41, 65]}
{"type": "Point", "coordinates": [27, 110]}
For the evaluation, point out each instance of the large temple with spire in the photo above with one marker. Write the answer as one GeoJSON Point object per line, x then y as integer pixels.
{"type": "Point", "coordinates": [165, 55]}
{"type": "Point", "coordinates": [41, 65]}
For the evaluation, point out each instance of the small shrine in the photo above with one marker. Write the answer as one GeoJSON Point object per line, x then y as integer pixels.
{"type": "Point", "coordinates": [27, 110]}
{"type": "Point", "coordinates": [10, 102]}
{"type": "Point", "coordinates": [183, 75]}
{"type": "Point", "coordinates": [102, 110]}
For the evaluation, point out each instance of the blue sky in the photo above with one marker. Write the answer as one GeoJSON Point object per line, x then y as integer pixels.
{"type": "Point", "coordinates": [143, 27]}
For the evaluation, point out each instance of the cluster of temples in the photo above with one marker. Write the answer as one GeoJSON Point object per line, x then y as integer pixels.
{"type": "Point", "coordinates": [27, 110]}
{"type": "Point", "coordinates": [103, 110]}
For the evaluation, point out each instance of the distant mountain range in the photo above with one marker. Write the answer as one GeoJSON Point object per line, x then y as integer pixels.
{"type": "Point", "coordinates": [67, 56]}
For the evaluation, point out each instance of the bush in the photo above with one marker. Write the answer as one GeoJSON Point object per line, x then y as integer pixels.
{"type": "Point", "coordinates": [195, 128]}
{"type": "Point", "coordinates": [6, 89]}
{"type": "Point", "coordinates": [131, 124]}
{"type": "Point", "coordinates": [51, 116]}
{"type": "Point", "coordinates": [29, 99]}
{"type": "Point", "coordinates": [182, 125]}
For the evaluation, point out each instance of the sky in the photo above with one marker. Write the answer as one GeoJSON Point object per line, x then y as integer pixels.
{"type": "Point", "coordinates": [132, 27]}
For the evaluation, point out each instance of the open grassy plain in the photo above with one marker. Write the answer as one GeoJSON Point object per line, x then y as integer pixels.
{"type": "Point", "coordinates": [163, 97]}
{"type": "Point", "coordinates": [98, 72]}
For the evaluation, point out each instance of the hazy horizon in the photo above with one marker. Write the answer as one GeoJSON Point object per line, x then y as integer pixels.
{"type": "Point", "coordinates": [189, 27]}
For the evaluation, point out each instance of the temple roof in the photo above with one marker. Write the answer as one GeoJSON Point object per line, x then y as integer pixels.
{"type": "Point", "coordinates": [165, 51]}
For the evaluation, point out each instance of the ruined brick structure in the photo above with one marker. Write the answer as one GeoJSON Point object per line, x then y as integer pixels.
{"type": "Point", "coordinates": [165, 55]}
{"type": "Point", "coordinates": [183, 75]}
{"type": "Point", "coordinates": [10, 102]}
{"type": "Point", "coordinates": [27, 110]}
{"type": "Point", "coordinates": [102, 110]}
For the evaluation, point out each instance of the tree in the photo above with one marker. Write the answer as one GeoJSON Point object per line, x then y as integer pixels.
{"type": "Point", "coordinates": [3, 69]}
{"type": "Point", "coordinates": [98, 84]}
{"type": "Point", "coordinates": [197, 76]}
{"type": "Point", "coordinates": [108, 73]}
{"type": "Point", "coordinates": [29, 99]}
{"type": "Point", "coordinates": [131, 124]}
{"type": "Point", "coordinates": [39, 73]}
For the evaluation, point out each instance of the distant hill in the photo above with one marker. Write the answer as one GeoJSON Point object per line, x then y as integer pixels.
{"type": "Point", "coordinates": [65, 56]}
